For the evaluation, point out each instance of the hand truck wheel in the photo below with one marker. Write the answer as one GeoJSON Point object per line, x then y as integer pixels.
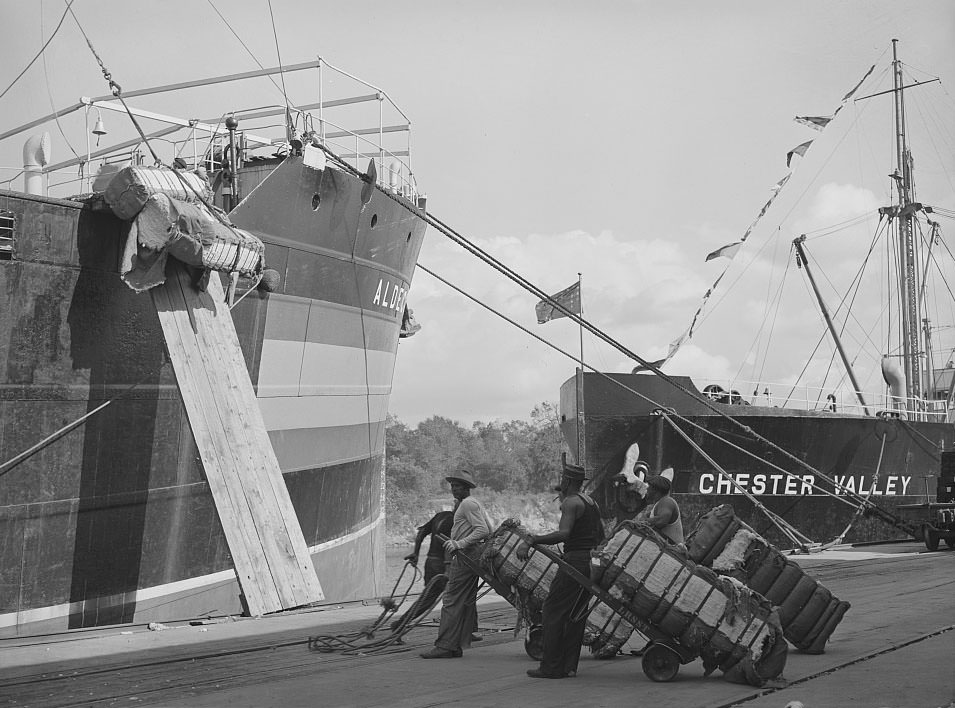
{"type": "Point", "coordinates": [660, 663]}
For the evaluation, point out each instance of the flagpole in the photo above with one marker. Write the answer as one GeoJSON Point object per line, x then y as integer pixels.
{"type": "Point", "coordinates": [580, 294]}
{"type": "Point", "coordinates": [580, 379]}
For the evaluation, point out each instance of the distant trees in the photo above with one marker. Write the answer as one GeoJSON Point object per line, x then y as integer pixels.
{"type": "Point", "coordinates": [518, 456]}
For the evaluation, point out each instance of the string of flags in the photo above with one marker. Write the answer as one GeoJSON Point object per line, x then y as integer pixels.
{"type": "Point", "coordinates": [730, 250]}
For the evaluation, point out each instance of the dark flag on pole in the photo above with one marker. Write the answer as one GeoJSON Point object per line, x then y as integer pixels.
{"type": "Point", "coordinates": [569, 298]}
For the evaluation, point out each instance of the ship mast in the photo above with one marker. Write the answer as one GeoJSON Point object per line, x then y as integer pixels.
{"type": "Point", "coordinates": [908, 299]}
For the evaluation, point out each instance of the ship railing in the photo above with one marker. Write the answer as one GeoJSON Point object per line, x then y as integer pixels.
{"type": "Point", "coordinates": [810, 398]}
{"type": "Point", "coordinates": [385, 135]}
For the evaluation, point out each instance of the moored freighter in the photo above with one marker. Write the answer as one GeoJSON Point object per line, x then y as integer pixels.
{"type": "Point", "coordinates": [106, 511]}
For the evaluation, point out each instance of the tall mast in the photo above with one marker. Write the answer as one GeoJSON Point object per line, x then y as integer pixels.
{"type": "Point", "coordinates": [908, 286]}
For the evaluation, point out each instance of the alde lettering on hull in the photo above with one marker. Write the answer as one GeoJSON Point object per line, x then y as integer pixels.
{"type": "Point", "coordinates": [389, 295]}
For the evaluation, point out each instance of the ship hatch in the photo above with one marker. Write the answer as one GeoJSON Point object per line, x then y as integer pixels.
{"type": "Point", "coordinates": [7, 224]}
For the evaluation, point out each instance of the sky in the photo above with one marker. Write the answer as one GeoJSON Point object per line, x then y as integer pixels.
{"type": "Point", "coordinates": [622, 141]}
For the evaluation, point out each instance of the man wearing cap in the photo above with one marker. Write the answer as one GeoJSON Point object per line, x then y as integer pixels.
{"type": "Point", "coordinates": [564, 618]}
{"type": "Point", "coordinates": [459, 605]}
{"type": "Point", "coordinates": [662, 512]}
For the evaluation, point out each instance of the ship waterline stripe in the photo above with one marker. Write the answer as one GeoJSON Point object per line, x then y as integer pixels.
{"type": "Point", "coordinates": [307, 448]}
{"type": "Point", "coordinates": [298, 319]}
{"type": "Point", "coordinates": [40, 614]}
{"type": "Point", "coordinates": [292, 412]}
{"type": "Point", "coordinates": [289, 368]}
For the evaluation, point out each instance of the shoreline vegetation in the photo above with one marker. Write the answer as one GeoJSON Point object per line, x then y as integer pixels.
{"type": "Point", "coordinates": [515, 464]}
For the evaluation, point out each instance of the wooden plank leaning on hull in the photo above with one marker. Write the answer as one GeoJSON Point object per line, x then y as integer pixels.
{"type": "Point", "coordinates": [268, 549]}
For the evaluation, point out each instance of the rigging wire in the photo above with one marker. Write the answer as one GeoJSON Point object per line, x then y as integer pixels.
{"type": "Point", "coordinates": [42, 49]}
{"type": "Point", "coordinates": [488, 259]}
{"type": "Point", "coordinates": [278, 53]}
{"type": "Point", "coordinates": [246, 47]}
{"type": "Point", "coordinates": [49, 91]}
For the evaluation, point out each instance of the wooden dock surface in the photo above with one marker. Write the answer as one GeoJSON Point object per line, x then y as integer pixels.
{"type": "Point", "coordinates": [895, 647]}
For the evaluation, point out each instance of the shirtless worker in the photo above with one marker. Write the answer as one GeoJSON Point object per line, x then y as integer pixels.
{"type": "Point", "coordinates": [580, 530]}
{"type": "Point", "coordinates": [662, 512]}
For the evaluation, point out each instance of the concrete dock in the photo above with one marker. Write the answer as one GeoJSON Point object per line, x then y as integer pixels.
{"type": "Point", "coordinates": [895, 648]}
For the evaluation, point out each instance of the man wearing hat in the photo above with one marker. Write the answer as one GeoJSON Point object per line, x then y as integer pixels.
{"type": "Point", "coordinates": [564, 618]}
{"type": "Point", "coordinates": [459, 605]}
{"type": "Point", "coordinates": [662, 512]}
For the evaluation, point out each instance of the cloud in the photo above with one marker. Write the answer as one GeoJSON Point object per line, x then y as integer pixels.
{"type": "Point", "coordinates": [468, 364]}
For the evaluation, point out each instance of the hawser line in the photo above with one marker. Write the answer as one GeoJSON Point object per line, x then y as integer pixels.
{"type": "Point", "coordinates": [833, 669]}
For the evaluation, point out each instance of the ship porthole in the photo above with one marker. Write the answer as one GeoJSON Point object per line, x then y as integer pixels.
{"type": "Point", "coordinates": [374, 220]}
{"type": "Point", "coordinates": [316, 201]}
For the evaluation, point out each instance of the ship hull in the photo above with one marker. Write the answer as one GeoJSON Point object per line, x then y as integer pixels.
{"type": "Point", "coordinates": [114, 522]}
{"type": "Point", "coordinates": [619, 410]}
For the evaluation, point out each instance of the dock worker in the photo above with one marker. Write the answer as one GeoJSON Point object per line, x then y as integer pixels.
{"type": "Point", "coordinates": [564, 610]}
{"type": "Point", "coordinates": [662, 512]}
{"type": "Point", "coordinates": [469, 530]}
{"type": "Point", "coordinates": [437, 561]}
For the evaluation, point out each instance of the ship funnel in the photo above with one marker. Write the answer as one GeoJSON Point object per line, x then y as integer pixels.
{"type": "Point", "coordinates": [896, 381]}
{"type": "Point", "coordinates": [36, 155]}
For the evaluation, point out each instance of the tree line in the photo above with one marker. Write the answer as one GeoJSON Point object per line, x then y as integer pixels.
{"type": "Point", "coordinates": [519, 457]}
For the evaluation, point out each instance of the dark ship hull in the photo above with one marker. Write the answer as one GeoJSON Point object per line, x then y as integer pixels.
{"type": "Point", "coordinates": [845, 448]}
{"type": "Point", "coordinates": [114, 522]}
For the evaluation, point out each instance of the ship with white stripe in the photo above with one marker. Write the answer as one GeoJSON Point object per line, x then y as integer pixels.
{"type": "Point", "coordinates": [109, 510]}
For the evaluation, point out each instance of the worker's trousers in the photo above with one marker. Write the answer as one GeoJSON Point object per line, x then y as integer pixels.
{"type": "Point", "coordinates": [459, 609]}
{"type": "Point", "coordinates": [564, 617]}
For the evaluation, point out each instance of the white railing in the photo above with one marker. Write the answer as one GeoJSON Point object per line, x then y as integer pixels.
{"type": "Point", "coordinates": [379, 130]}
{"type": "Point", "coordinates": [809, 398]}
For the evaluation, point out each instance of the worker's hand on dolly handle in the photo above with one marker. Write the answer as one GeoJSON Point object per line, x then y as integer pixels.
{"type": "Point", "coordinates": [451, 546]}
{"type": "Point", "coordinates": [523, 550]}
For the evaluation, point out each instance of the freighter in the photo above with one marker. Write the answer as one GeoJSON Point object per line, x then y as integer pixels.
{"type": "Point", "coordinates": [804, 464]}
{"type": "Point", "coordinates": [108, 512]}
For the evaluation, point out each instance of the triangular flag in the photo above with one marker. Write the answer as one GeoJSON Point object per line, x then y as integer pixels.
{"type": "Point", "coordinates": [727, 251]}
{"type": "Point", "coordinates": [798, 150]}
{"type": "Point", "coordinates": [814, 122]}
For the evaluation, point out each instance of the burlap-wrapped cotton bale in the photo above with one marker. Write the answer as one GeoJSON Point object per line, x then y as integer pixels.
{"type": "Point", "coordinates": [499, 558]}
{"type": "Point", "coordinates": [706, 613]}
{"type": "Point", "coordinates": [807, 611]}
{"type": "Point", "coordinates": [784, 583]}
{"type": "Point", "coordinates": [127, 192]}
{"type": "Point", "coordinates": [711, 534]}
{"type": "Point", "coordinates": [796, 600]}
{"type": "Point", "coordinates": [191, 234]}
{"type": "Point", "coordinates": [815, 642]}
{"type": "Point", "coordinates": [810, 613]}
{"type": "Point", "coordinates": [606, 632]}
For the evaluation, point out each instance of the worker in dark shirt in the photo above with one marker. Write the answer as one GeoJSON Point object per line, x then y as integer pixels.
{"type": "Point", "coordinates": [564, 611]}
{"type": "Point", "coordinates": [434, 563]}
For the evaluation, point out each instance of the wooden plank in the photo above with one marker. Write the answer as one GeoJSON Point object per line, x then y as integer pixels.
{"type": "Point", "coordinates": [214, 448]}
{"type": "Point", "coordinates": [306, 582]}
{"type": "Point", "coordinates": [264, 537]}
{"type": "Point", "coordinates": [299, 584]}
{"type": "Point", "coordinates": [226, 366]}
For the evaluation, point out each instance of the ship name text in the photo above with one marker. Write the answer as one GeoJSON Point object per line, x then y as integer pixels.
{"type": "Point", "coordinates": [797, 485]}
{"type": "Point", "coordinates": [389, 295]}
